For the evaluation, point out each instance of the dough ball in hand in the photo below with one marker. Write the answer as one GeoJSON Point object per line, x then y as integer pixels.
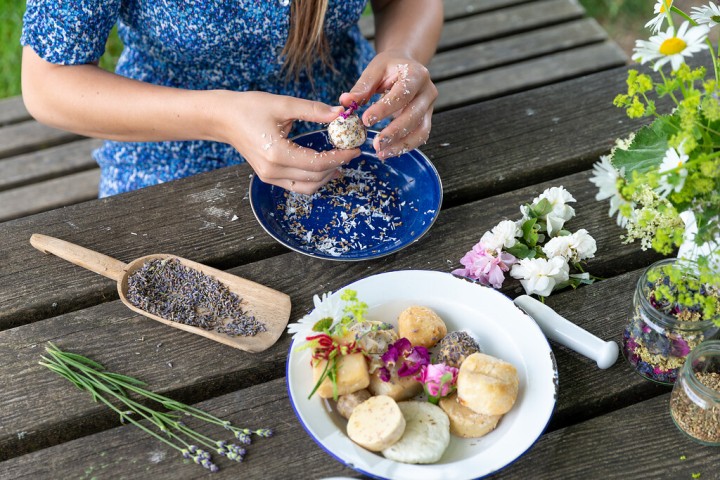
{"type": "Point", "coordinates": [347, 132]}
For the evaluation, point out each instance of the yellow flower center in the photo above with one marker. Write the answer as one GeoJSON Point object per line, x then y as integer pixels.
{"type": "Point", "coordinates": [673, 45]}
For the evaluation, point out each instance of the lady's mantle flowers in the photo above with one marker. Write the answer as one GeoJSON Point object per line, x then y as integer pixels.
{"type": "Point", "coordinates": [537, 249]}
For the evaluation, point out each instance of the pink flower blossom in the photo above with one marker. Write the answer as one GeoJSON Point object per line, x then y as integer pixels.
{"type": "Point", "coordinates": [486, 265]}
{"type": "Point", "coordinates": [438, 380]}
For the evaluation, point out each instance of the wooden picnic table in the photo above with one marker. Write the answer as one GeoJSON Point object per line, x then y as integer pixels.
{"type": "Point", "coordinates": [492, 154]}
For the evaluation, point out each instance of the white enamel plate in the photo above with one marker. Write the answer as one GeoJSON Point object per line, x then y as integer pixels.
{"type": "Point", "coordinates": [502, 330]}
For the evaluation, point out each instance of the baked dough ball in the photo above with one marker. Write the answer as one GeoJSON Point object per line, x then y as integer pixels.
{"type": "Point", "coordinates": [487, 384]}
{"type": "Point", "coordinates": [421, 326]}
{"type": "Point", "coordinates": [427, 434]}
{"type": "Point", "coordinates": [347, 403]}
{"type": "Point", "coordinates": [347, 133]}
{"type": "Point", "coordinates": [455, 347]}
{"type": "Point", "coordinates": [376, 424]}
{"type": "Point", "coordinates": [465, 422]}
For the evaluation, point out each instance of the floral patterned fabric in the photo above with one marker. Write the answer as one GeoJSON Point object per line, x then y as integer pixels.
{"type": "Point", "coordinates": [234, 45]}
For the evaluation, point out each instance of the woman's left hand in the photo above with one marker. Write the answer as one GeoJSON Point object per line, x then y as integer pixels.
{"type": "Point", "coordinates": [409, 98]}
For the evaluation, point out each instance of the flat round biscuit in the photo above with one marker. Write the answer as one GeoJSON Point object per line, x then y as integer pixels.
{"type": "Point", "coordinates": [376, 423]}
{"type": "Point", "coordinates": [427, 434]}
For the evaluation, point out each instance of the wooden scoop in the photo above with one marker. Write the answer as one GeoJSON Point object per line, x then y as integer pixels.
{"type": "Point", "coordinates": [269, 306]}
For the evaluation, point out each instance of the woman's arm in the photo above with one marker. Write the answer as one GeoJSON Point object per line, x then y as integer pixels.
{"type": "Point", "coordinates": [90, 101]}
{"type": "Point", "coordinates": [406, 36]}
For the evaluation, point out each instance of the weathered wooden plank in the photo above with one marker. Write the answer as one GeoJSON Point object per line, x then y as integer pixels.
{"type": "Point", "coordinates": [507, 21]}
{"type": "Point", "coordinates": [28, 136]}
{"type": "Point", "coordinates": [48, 163]}
{"type": "Point", "coordinates": [606, 446]}
{"type": "Point", "coordinates": [540, 134]}
{"type": "Point", "coordinates": [532, 73]}
{"type": "Point", "coordinates": [520, 47]}
{"type": "Point", "coordinates": [55, 193]}
{"type": "Point", "coordinates": [12, 110]}
{"type": "Point", "coordinates": [111, 333]}
{"type": "Point", "coordinates": [452, 9]}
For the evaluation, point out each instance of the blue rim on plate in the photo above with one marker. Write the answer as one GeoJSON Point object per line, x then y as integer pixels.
{"type": "Point", "coordinates": [399, 207]}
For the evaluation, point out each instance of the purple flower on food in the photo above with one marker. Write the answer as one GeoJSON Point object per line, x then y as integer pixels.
{"type": "Point", "coordinates": [418, 357]}
{"type": "Point", "coordinates": [410, 359]}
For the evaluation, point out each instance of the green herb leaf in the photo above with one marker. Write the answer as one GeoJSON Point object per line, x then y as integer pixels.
{"type": "Point", "coordinates": [323, 325]}
{"type": "Point", "coordinates": [647, 149]}
{"type": "Point", "coordinates": [542, 208]}
{"type": "Point", "coordinates": [529, 231]}
{"type": "Point", "coordinates": [520, 250]}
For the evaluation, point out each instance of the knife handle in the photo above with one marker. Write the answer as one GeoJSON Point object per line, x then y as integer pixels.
{"type": "Point", "coordinates": [566, 333]}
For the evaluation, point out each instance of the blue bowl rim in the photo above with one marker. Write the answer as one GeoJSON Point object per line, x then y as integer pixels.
{"type": "Point", "coordinates": [340, 258]}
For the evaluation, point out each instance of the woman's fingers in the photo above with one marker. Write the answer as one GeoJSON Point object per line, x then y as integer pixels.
{"type": "Point", "coordinates": [406, 121]}
{"type": "Point", "coordinates": [411, 81]}
{"type": "Point", "coordinates": [414, 139]}
{"type": "Point", "coordinates": [307, 110]}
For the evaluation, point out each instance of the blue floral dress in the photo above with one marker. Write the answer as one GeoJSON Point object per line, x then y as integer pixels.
{"type": "Point", "coordinates": [233, 45]}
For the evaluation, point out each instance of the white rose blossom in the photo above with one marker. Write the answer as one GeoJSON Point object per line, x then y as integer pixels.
{"type": "Point", "coordinates": [559, 247]}
{"type": "Point", "coordinates": [561, 212]}
{"type": "Point", "coordinates": [583, 244]}
{"type": "Point", "coordinates": [326, 306]}
{"type": "Point", "coordinates": [539, 276]}
{"type": "Point", "coordinates": [503, 235]}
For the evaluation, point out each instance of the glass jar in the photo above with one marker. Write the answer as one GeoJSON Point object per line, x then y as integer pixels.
{"type": "Point", "coordinates": [695, 399]}
{"type": "Point", "coordinates": [660, 334]}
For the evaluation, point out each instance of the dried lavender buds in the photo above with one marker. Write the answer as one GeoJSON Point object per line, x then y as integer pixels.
{"type": "Point", "coordinates": [356, 212]}
{"type": "Point", "coordinates": [171, 290]}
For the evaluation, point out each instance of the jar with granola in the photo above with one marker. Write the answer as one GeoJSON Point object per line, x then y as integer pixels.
{"type": "Point", "coordinates": [695, 399]}
{"type": "Point", "coordinates": [673, 312]}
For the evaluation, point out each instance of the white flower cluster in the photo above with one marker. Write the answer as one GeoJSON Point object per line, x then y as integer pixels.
{"type": "Point", "coordinates": [539, 275]}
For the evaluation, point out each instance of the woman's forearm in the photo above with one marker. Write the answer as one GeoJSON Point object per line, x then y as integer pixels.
{"type": "Point", "coordinates": [411, 27]}
{"type": "Point", "coordinates": [93, 102]}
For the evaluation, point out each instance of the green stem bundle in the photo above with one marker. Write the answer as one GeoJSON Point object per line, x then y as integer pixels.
{"type": "Point", "coordinates": [113, 388]}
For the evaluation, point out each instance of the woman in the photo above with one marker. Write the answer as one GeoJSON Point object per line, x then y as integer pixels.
{"type": "Point", "coordinates": [202, 85]}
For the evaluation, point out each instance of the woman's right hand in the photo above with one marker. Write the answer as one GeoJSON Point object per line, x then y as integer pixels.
{"type": "Point", "coordinates": [257, 125]}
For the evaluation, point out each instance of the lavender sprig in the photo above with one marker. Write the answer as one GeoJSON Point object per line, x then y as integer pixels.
{"type": "Point", "coordinates": [104, 386]}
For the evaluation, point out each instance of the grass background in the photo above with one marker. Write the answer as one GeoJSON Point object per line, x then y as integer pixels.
{"type": "Point", "coordinates": [623, 19]}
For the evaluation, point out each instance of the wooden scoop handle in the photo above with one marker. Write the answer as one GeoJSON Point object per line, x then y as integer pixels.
{"type": "Point", "coordinates": [94, 261]}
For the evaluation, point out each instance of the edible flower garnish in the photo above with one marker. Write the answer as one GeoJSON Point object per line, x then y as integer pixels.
{"type": "Point", "coordinates": [329, 322]}
{"type": "Point", "coordinates": [353, 106]}
{"type": "Point", "coordinates": [439, 380]}
{"type": "Point", "coordinates": [326, 348]}
{"type": "Point", "coordinates": [411, 359]}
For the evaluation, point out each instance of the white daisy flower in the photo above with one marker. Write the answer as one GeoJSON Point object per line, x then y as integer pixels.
{"type": "Point", "coordinates": [671, 166]}
{"type": "Point", "coordinates": [326, 306]}
{"type": "Point", "coordinates": [671, 47]}
{"type": "Point", "coordinates": [706, 15]}
{"type": "Point", "coordinates": [503, 235]}
{"type": "Point", "coordinates": [605, 177]}
{"type": "Point", "coordinates": [662, 8]}
{"type": "Point", "coordinates": [539, 276]}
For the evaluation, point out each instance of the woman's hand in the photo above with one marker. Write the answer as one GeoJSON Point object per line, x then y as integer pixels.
{"type": "Point", "coordinates": [257, 125]}
{"type": "Point", "coordinates": [409, 95]}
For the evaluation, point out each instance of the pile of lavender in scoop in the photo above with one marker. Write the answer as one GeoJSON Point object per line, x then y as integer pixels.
{"type": "Point", "coordinates": [171, 290]}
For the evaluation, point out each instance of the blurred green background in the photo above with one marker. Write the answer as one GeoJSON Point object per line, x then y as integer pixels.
{"type": "Point", "coordinates": [623, 19]}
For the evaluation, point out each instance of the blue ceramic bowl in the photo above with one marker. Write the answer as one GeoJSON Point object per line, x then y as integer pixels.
{"type": "Point", "coordinates": [345, 220]}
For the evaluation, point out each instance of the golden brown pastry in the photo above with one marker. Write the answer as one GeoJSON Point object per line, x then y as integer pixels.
{"type": "Point", "coordinates": [465, 422]}
{"type": "Point", "coordinates": [487, 384]}
{"type": "Point", "coordinates": [422, 326]}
